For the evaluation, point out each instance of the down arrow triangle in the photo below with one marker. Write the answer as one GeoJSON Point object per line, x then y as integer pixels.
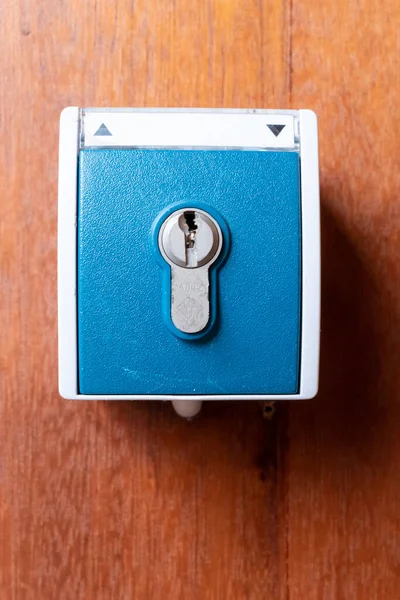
{"type": "Point", "coordinates": [276, 129]}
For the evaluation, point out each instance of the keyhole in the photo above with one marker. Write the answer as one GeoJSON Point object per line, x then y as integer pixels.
{"type": "Point", "coordinates": [187, 222]}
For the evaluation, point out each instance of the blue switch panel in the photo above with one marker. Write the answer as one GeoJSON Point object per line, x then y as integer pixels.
{"type": "Point", "coordinates": [123, 344]}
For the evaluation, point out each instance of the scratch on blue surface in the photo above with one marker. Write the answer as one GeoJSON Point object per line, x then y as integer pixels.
{"type": "Point", "coordinates": [212, 383]}
{"type": "Point", "coordinates": [143, 377]}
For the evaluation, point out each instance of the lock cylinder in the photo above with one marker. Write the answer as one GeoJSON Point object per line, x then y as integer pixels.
{"type": "Point", "coordinates": [190, 241]}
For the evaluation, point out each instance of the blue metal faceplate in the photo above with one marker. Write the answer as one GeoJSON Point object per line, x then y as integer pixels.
{"type": "Point", "coordinates": [124, 345]}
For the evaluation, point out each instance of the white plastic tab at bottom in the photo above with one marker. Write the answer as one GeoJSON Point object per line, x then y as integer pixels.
{"type": "Point", "coordinates": [187, 408]}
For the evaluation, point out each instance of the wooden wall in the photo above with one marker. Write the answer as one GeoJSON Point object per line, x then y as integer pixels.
{"type": "Point", "coordinates": [126, 501]}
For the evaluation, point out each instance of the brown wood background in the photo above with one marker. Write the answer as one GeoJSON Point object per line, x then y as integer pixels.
{"type": "Point", "coordinates": [126, 501]}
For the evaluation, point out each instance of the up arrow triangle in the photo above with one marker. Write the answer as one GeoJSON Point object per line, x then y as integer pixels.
{"type": "Point", "coordinates": [102, 130]}
{"type": "Point", "coordinates": [276, 129]}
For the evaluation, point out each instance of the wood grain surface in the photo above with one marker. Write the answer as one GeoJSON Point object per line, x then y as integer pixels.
{"type": "Point", "coordinates": [126, 501]}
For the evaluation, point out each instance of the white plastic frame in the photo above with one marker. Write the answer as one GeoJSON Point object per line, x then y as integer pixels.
{"type": "Point", "coordinates": [67, 276]}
